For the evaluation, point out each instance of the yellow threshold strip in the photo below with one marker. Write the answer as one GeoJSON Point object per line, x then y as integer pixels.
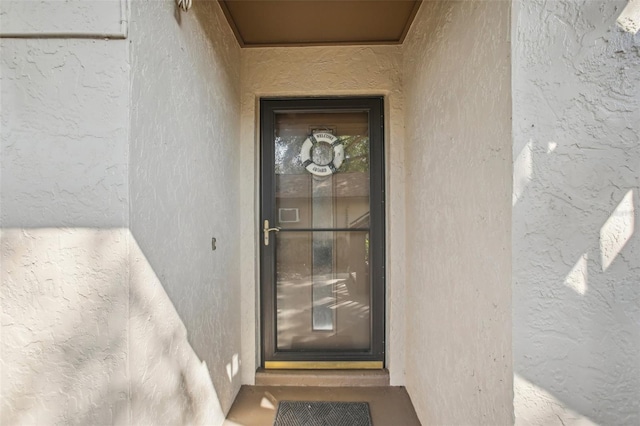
{"type": "Point", "coordinates": [323, 365]}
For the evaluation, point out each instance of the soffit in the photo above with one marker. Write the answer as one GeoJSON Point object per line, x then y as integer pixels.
{"type": "Point", "coordinates": [261, 23]}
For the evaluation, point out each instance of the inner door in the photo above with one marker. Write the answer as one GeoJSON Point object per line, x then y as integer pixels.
{"type": "Point", "coordinates": [322, 242]}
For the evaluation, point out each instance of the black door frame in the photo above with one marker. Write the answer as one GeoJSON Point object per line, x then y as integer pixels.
{"type": "Point", "coordinates": [269, 107]}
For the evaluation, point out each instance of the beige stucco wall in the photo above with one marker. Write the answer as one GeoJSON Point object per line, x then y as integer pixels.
{"type": "Point", "coordinates": [312, 71]}
{"type": "Point", "coordinates": [184, 182]}
{"type": "Point", "coordinates": [576, 247]}
{"type": "Point", "coordinates": [118, 165]}
{"type": "Point", "coordinates": [458, 213]}
{"type": "Point", "coordinates": [64, 217]}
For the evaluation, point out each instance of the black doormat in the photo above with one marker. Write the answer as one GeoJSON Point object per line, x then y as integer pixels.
{"type": "Point", "coordinates": [322, 413]}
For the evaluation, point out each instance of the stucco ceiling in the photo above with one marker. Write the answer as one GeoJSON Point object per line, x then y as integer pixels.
{"type": "Point", "coordinates": [258, 23]}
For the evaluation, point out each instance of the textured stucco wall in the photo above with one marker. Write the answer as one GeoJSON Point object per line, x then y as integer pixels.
{"type": "Point", "coordinates": [46, 18]}
{"type": "Point", "coordinates": [95, 306]}
{"type": "Point", "coordinates": [185, 185]}
{"type": "Point", "coordinates": [458, 193]}
{"type": "Point", "coordinates": [312, 71]}
{"type": "Point", "coordinates": [576, 249]}
{"type": "Point", "coordinates": [64, 212]}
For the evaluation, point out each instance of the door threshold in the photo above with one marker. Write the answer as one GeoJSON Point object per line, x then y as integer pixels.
{"type": "Point", "coordinates": [337, 378]}
{"type": "Point", "coordinates": [323, 365]}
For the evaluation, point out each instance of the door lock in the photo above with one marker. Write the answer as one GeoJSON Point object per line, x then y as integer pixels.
{"type": "Point", "coordinates": [266, 231]}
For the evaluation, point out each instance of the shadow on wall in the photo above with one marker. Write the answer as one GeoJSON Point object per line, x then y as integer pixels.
{"type": "Point", "coordinates": [64, 326]}
{"type": "Point", "coordinates": [90, 329]}
{"type": "Point", "coordinates": [183, 174]}
{"type": "Point", "coordinates": [576, 248]}
{"type": "Point", "coordinates": [79, 348]}
{"type": "Point", "coordinates": [576, 244]}
{"type": "Point", "coordinates": [577, 289]}
{"type": "Point", "coordinates": [169, 384]}
{"type": "Point", "coordinates": [576, 284]}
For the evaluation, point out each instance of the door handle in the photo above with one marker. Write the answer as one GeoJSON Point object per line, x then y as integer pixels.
{"type": "Point", "coordinates": [266, 231]}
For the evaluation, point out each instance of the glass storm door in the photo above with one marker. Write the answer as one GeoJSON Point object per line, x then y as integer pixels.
{"type": "Point", "coordinates": [322, 233]}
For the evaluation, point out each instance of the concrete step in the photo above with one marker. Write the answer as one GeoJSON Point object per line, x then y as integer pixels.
{"type": "Point", "coordinates": [335, 378]}
{"type": "Point", "coordinates": [257, 405]}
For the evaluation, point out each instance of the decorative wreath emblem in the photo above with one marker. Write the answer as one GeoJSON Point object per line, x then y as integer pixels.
{"type": "Point", "coordinates": [322, 169]}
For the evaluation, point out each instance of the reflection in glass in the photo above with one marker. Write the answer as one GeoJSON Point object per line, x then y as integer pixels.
{"type": "Point", "coordinates": [323, 287]}
{"type": "Point", "coordinates": [341, 290]}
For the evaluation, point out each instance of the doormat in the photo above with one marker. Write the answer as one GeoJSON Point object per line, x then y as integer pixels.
{"type": "Point", "coordinates": [322, 413]}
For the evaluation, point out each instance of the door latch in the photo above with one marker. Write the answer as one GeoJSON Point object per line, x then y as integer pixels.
{"type": "Point", "coordinates": [266, 231]}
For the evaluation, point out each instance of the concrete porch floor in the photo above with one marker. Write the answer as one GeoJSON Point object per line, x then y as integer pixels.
{"type": "Point", "coordinates": [257, 405]}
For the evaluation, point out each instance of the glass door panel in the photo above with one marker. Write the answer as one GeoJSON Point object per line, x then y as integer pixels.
{"type": "Point", "coordinates": [315, 307]}
{"type": "Point", "coordinates": [323, 295]}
